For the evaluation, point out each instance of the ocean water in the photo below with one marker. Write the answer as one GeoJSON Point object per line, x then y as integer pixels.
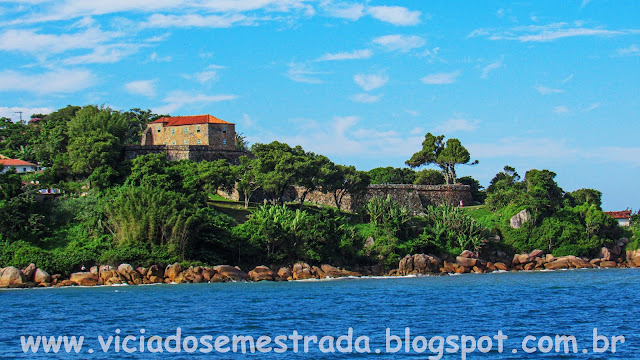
{"type": "Point", "coordinates": [520, 304]}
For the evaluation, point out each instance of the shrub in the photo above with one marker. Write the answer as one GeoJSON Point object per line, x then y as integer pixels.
{"type": "Point", "coordinates": [449, 229]}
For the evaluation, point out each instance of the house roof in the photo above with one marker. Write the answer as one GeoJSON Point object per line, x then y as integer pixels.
{"type": "Point", "coordinates": [619, 214]}
{"type": "Point", "coordinates": [15, 162]}
{"type": "Point", "coordinates": [189, 120]}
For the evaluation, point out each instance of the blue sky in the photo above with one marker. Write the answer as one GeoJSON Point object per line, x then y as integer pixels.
{"type": "Point", "coordinates": [537, 84]}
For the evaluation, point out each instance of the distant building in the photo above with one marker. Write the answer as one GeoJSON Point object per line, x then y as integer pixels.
{"type": "Point", "coordinates": [19, 165]}
{"type": "Point", "coordinates": [623, 217]}
{"type": "Point", "coordinates": [197, 130]}
{"type": "Point", "coordinates": [35, 121]}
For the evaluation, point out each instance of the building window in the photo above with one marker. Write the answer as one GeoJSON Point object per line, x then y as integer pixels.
{"type": "Point", "coordinates": [198, 128]}
{"type": "Point", "coordinates": [224, 129]}
{"type": "Point", "coordinates": [186, 129]}
{"type": "Point", "coordinates": [173, 131]}
{"type": "Point", "coordinates": [173, 143]}
{"type": "Point", "coordinates": [199, 142]}
{"type": "Point", "coordinates": [186, 142]}
{"type": "Point", "coordinates": [158, 129]}
{"type": "Point", "coordinates": [24, 169]}
{"type": "Point", "coordinates": [224, 141]}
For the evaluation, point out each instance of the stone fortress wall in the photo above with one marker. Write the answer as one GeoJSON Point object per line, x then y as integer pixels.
{"type": "Point", "coordinates": [414, 197]}
{"type": "Point", "coordinates": [185, 152]}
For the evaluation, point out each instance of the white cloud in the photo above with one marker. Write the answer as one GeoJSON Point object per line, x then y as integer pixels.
{"type": "Point", "coordinates": [611, 154]}
{"type": "Point", "coordinates": [500, 13]}
{"type": "Point", "coordinates": [154, 57]}
{"type": "Point", "coordinates": [370, 82]}
{"type": "Point", "coordinates": [177, 99]}
{"type": "Point", "coordinates": [632, 50]}
{"type": "Point", "coordinates": [353, 55]}
{"type": "Point", "coordinates": [592, 107]}
{"type": "Point", "coordinates": [553, 149]}
{"type": "Point", "coordinates": [103, 54]}
{"type": "Point", "coordinates": [343, 136]}
{"type": "Point", "coordinates": [302, 73]}
{"type": "Point", "coordinates": [524, 148]}
{"type": "Point", "coordinates": [350, 11]}
{"type": "Point", "coordinates": [584, 3]}
{"type": "Point", "coordinates": [71, 9]}
{"type": "Point", "coordinates": [30, 41]}
{"type": "Point", "coordinates": [547, 91]}
{"type": "Point", "coordinates": [491, 67]}
{"type": "Point", "coordinates": [158, 38]}
{"type": "Point", "coordinates": [430, 53]}
{"type": "Point", "coordinates": [372, 133]}
{"type": "Point", "coordinates": [456, 125]}
{"type": "Point", "coordinates": [567, 79]}
{"type": "Point", "coordinates": [12, 112]}
{"type": "Point", "coordinates": [418, 131]}
{"type": "Point", "coordinates": [141, 87]}
{"type": "Point", "coordinates": [194, 20]}
{"type": "Point", "coordinates": [413, 113]}
{"type": "Point", "coordinates": [546, 33]}
{"type": "Point", "coordinates": [441, 78]}
{"type": "Point", "coordinates": [396, 15]}
{"type": "Point", "coordinates": [561, 109]}
{"type": "Point", "coordinates": [51, 82]}
{"type": "Point", "coordinates": [207, 75]}
{"type": "Point", "coordinates": [403, 43]}
{"type": "Point", "coordinates": [365, 98]}
{"type": "Point", "coordinates": [247, 121]}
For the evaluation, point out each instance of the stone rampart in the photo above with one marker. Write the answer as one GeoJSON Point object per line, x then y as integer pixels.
{"type": "Point", "coordinates": [414, 197]}
{"type": "Point", "coordinates": [184, 152]}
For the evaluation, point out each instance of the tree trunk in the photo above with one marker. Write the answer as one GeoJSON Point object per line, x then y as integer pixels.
{"type": "Point", "coordinates": [335, 198]}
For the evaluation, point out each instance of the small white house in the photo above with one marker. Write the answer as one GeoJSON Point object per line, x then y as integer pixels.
{"type": "Point", "coordinates": [19, 165]}
{"type": "Point", "coordinates": [623, 217]}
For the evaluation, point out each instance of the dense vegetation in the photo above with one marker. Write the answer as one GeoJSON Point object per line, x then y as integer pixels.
{"type": "Point", "coordinates": [152, 211]}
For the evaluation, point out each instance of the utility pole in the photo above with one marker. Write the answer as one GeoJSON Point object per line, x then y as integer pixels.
{"type": "Point", "coordinates": [19, 112]}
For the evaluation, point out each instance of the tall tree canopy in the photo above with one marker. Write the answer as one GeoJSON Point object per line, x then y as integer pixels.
{"type": "Point", "coordinates": [95, 139]}
{"type": "Point", "coordinates": [391, 175]}
{"type": "Point", "coordinates": [446, 155]}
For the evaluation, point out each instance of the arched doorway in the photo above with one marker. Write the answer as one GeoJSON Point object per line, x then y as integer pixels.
{"type": "Point", "coordinates": [147, 137]}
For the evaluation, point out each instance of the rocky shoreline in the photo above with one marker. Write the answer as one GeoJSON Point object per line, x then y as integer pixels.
{"type": "Point", "coordinates": [466, 262]}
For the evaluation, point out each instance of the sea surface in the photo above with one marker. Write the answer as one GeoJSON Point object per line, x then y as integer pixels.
{"type": "Point", "coordinates": [521, 304]}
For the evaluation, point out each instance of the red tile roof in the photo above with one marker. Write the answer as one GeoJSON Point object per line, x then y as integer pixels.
{"type": "Point", "coordinates": [189, 120]}
{"type": "Point", "coordinates": [619, 214]}
{"type": "Point", "coordinates": [15, 162]}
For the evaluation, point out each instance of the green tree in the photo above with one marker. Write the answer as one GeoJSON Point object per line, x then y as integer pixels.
{"type": "Point", "coordinates": [504, 179]}
{"type": "Point", "coordinates": [96, 139]}
{"type": "Point", "coordinates": [54, 138]}
{"type": "Point", "coordinates": [309, 173]}
{"type": "Point", "coordinates": [445, 155]}
{"type": "Point", "coordinates": [586, 196]}
{"type": "Point", "coordinates": [241, 142]}
{"type": "Point", "coordinates": [18, 215]}
{"type": "Point", "coordinates": [477, 192]}
{"type": "Point", "coordinates": [137, 121]}
{"type": "Point", "coordinates": [391, 175]}
{"type": "Point", "coordinates": [429, 177]}
{"type": "Point", "coordinates": [206, 177]}
{"type": "Point", "coordinates": [153, 171]}
{"type": "Point", "coordinates": [17, 139]}
{"type": "Point", "coordinates": [341, 180]}
{"type": "Point", "coordinates": [278, 166]}
{"type": "Point", "coordinates": [152, 217]}
{"type": "Point", "coordinates": [246, 173]}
